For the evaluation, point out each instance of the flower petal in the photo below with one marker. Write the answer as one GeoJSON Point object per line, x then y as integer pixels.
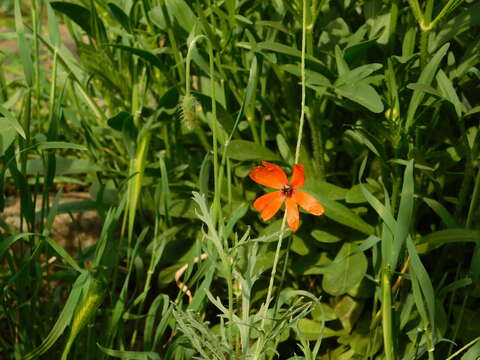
{"type": "Point", "coordinates": [293, 218]}
{"type": "Point", "coordinates": [269, 204]}
{"type": "Point", "coordinates": [298, 179]}
{"type": "Point", "coordinates": [270, 175]}
{"type": "Point", "coordinates": [308, 202]}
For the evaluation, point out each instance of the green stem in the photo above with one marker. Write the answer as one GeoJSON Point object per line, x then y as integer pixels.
{"type": "Point", "coordinates": [261, 340]}
{"type": "Point", "coordinates": [36, 58]}
{"type": "Point", "coordinates": [473, 201]}
{"type": "Point", "coordinates": [216, 197]}
{"type": "Point", "coordinates": [264, 310]}
{"type": "Point", "coordinates": [387, 314]}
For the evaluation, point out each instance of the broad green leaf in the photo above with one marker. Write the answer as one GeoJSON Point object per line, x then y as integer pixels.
{"type": "Point", "coordinates": [348, 311]}
{"type": "Point", "coordinates": [184, 15]}
{"type": "Point", "coordinates": [247, 150]}
{"type": "Point", "coordinates": [323, 312]}
{"type": "Point", "coordinates": [343, 276]}
{"type": "Point", "coordinates": [357, 74]}
{"type": "Point", "coordinates": [299, 245]}
{"type": "Point", "coordinates": [363, 94]}
{"type": "Point", "coordinates": [312, 329]}
{"type": "Point", "coordinates": [355, 195]}
{"type": "Point", "coordinates": [341, 214]}
{"type": "Point", "coordinates": [325, 189]}
{"type": "Point", "coordinates": [158, 18]}
{"type": "Point", "coordinates": [325, 237]}
{"type": "Point", "coordinates": [311, 77]}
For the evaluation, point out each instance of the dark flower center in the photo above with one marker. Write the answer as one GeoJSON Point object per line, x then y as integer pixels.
{"type": "Point", "coordinates": [287, 190]}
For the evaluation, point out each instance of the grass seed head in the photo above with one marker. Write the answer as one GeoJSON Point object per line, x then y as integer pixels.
{"type": "Point", "coordinates": [188, 112]}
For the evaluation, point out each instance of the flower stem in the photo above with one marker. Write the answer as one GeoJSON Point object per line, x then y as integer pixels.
{"type": "Point", "coordinates": [264, 311]}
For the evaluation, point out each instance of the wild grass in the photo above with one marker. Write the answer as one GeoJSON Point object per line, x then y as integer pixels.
{"type": "Point", "coordinates": [159, 109]}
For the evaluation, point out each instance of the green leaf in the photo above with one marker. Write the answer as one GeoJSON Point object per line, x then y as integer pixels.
{"type": "Point", "coordinates": [7, 242]}
{"type": "Point", "coordinates": [182, 13]}
{"type": "Point", "coordinates": [49, 145]}
{"type": "Point", "coordinates": [9, 127]}
{"type": "Point", "coordinates": [64, 319]}
{"type": "Point", "coordinates": [348, 311]}
{"type": "Point", "coordinates": [133, 355]}
{"type": "Point", "coordinates": [427, 89]}
{"type": "Point", "coordinates": [442, 212]}
{"type": "Point", "coordinates": [363, 94]}
{"type": "Point", "coordinates": [284, 149]}
{"type": "Point", "coordinates": [120, 15]}
{"type": "Point", "coordinates": [340, 213]}
{"type": "Point", "coordinates": [343, 276]}
{"type": "Point", "coordinates": [474, 352]}
{"type": "Point", "coordinates": [405, 213]}
{"type": "Point", "coordinates": [468, 18]}
{"type": "Point", "coordinates": [312, 329]}
{"type": "Point", "coordinates": [357, 74]}
{"type": "Point", "coordinates": [424, 294]}
{"type": "Point", "coordinates": [426, 78]}
{"type": "Point", "coordinates": [446, 87]}
{"type": "Point", "coordinates": [247, 150]}
{"type": "Point", "coordinates": [24, 48]}
{"type": "Point", "coordinates": [79, 14]}
{"type": "Point", "coordinates": [325, 189]}
{"type": "Point", "coordinates": [342, 66]}
{"type": "Point", "coordinates": [439, 238]}
{"type": "Point", "coordinates": [144, 54]}
{"type": "Point", "coordinates": [325, 237]}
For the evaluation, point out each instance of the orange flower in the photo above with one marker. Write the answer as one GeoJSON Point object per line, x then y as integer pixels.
{"type": "Point", "coordinates": [272, 175]}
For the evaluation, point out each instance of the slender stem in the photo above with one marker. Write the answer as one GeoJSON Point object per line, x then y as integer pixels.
{"type": "Point", "coordinates": [387, 314]}
{"type": "Point", "coordinates": [261, 339]}
{"type": "Point", "coordinates": [216, 170]}
{"type": "Point", "coordinates": [264, 310]}
{"type": "Point", "coordinates": [302, 70]}
{"type": "Point", "coordinates": [467, 176]}
{"type": "Point", "coordinates": [36, 57]}
{"type": "Point", "coordinates": [473, 201]}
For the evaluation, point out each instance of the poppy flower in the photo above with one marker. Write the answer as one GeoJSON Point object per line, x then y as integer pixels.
{"type": "Point", "coordinates": [273, 176]}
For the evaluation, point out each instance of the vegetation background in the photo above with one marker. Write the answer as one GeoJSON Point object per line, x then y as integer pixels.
{"type": "Point", "coordinates": [159, 109]}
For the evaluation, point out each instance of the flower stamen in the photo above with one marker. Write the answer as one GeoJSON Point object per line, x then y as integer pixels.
{"type": "Point", "coordinates": [287, 190]}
